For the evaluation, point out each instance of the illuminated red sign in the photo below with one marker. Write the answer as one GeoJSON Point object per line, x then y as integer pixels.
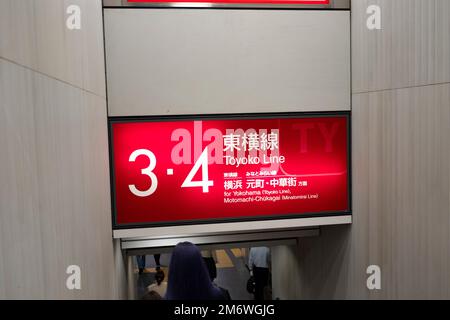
{"type": "Point", "coordinates": [174, 171]}
{"type": "Point", "coordinates": [301, 2]}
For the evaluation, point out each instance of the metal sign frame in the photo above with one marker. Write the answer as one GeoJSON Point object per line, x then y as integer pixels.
{"type": "Point", "coordinates": [284, 219]}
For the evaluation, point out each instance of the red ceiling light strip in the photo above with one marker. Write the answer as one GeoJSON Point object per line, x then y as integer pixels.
{"type": "Point", "coordinates": [306, 2]}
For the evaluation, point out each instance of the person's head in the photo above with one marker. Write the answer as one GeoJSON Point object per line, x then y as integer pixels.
{"type": "Point", "coordinates": [188, 276]}
{"type": "Point", "coordinates": [159, 276]}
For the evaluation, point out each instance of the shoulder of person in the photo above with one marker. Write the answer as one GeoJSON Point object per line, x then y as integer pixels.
{"type": "Point", "coordinates": [222, 293]}
{"type": "Point", "coordinates": [225, 293]}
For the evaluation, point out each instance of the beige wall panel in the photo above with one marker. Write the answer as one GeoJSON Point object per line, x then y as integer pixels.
{"type": "Point", "coordinates": [412, 49]}
{"type": "Point", "coordinates": [74, 193]}
{"type": "Point", "coordinates": [21, 262]}
{"type": "Point", "coordinates": [409, 189]}
{"type": "Point", "coordinates": [166, 62]}
{"type": "Point", "coordinates": [401, 203]}
{"type": "Point", "coordinates": [17, 32]}
{"type": "Point", "coordinates": [34, 34]}
{"type": "Point", "coordinates": [55, 198]}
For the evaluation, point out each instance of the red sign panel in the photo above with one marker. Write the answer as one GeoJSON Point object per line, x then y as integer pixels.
{"type": "Point", "coordinates": [175, 171]}
{"type": "Point", "coordinates": [301, 2]}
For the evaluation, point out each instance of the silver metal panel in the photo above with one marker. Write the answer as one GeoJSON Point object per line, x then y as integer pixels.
{"type": "Point", "coordinates": [217, 239]}
{"type": "Point", "coordinates": [175, 61]}
{"type": "Point", "coordinates": [230, 228]}
{"type": "Point", "coordinates": [215, 246]}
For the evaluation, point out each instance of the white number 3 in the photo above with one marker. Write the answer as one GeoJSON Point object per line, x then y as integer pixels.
{"type": "Point", "coordinates": [147, 171]}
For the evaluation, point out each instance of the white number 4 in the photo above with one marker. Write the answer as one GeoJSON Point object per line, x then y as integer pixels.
{"type": "Point", "coordinates": [204, 183]}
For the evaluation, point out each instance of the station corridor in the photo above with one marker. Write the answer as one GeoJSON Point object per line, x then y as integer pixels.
{"type": "Point", "coordinates": [232, 273]}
